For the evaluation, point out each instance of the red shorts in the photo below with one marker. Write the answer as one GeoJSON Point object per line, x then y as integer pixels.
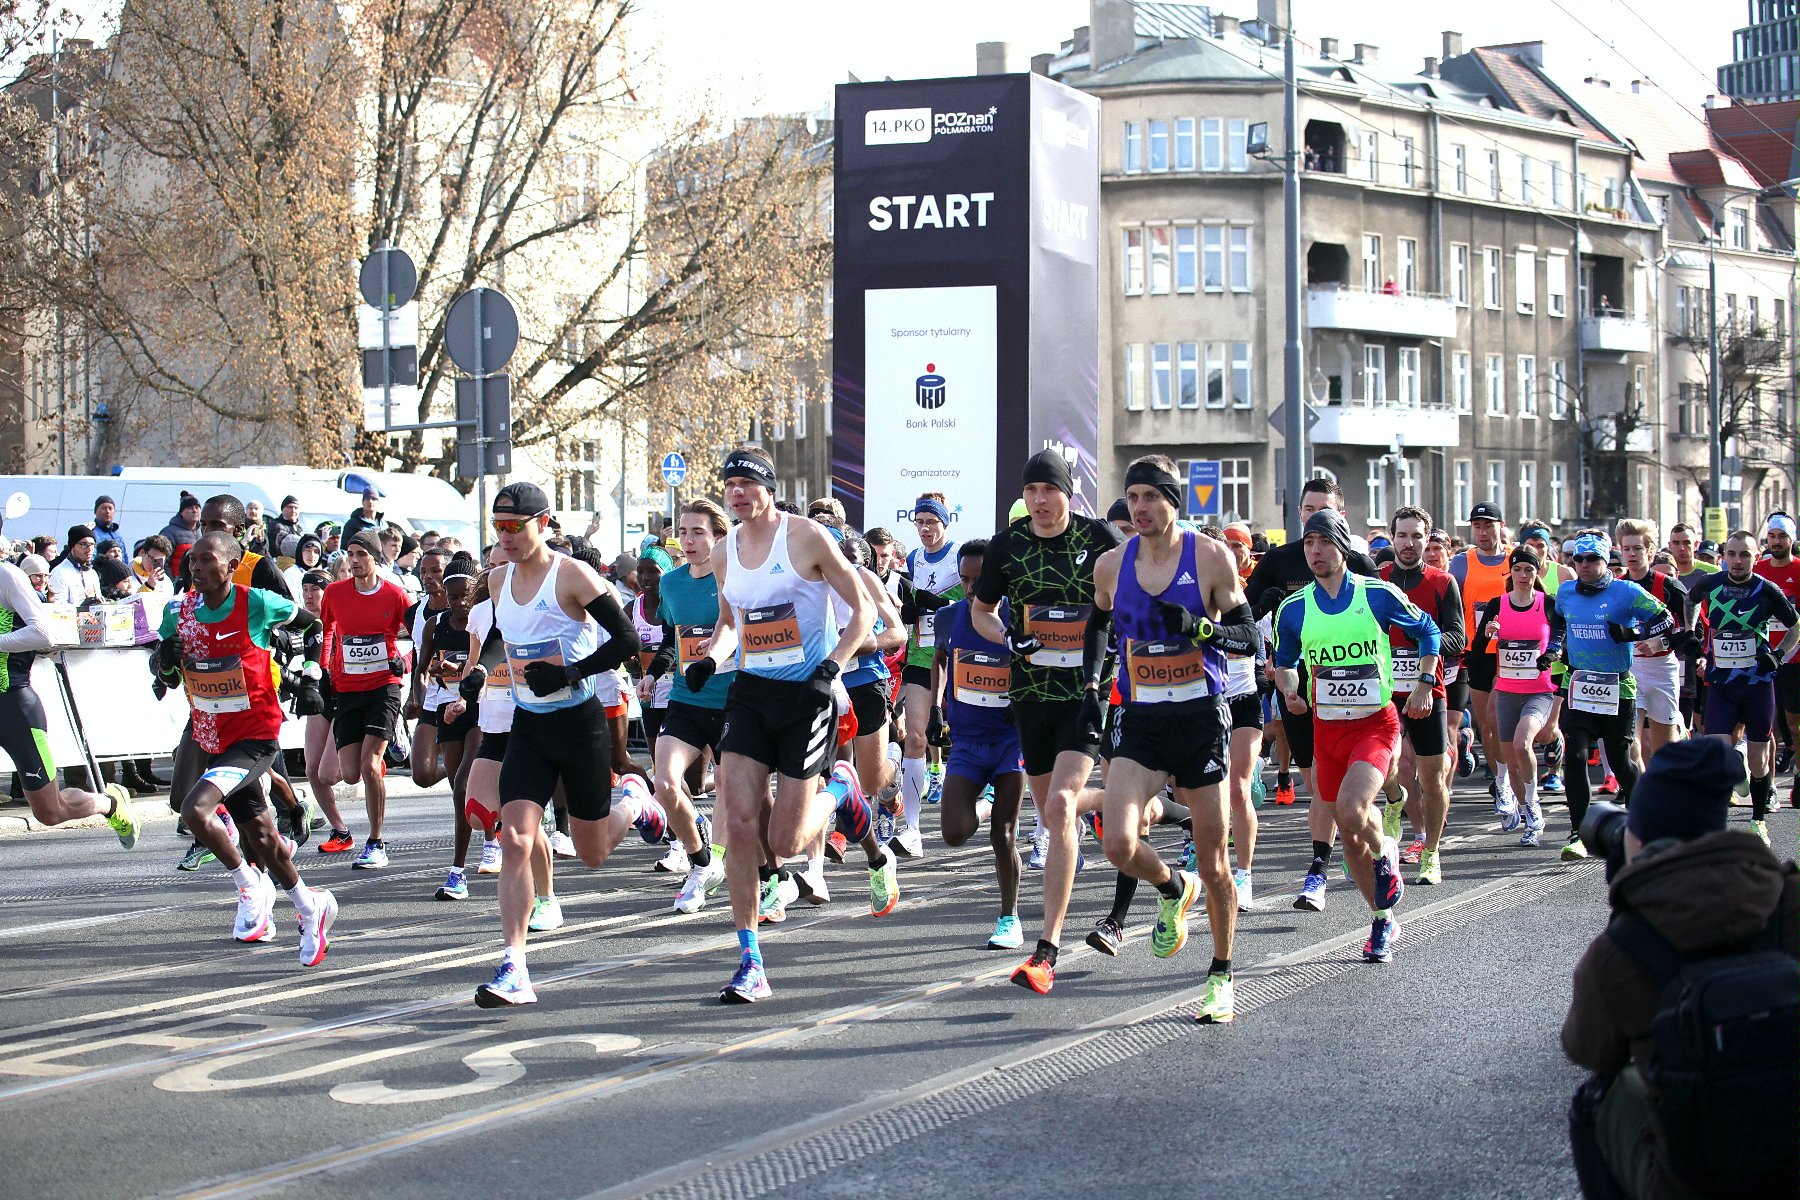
{"type": "Point", "coordinates": [1336, 744]}
{"type": "Point", "coordinates": [617, 710]}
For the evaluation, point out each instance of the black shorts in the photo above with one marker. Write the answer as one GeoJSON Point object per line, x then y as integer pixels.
{"type": "Point", "coordinates": [1481, 670]}
{"type": "Point", "coordinates": [492, 747]}
{"type": "Point", "coordinates": [1246, 712]}
{"type": "Point", "coordinates": [1588, 728]}
{"type": "Point", "coordinates": [458, 730]}
{"type": "Point", "coordinates": [1188, 741]}
{"type": "Point", "coordinates": [1456, 693]}
{"type": "Point", "coordinates": [786, 725]}
{"type": "Point", "coordinates": [1787, 687]}
{"type": "Point", "coordinates": [571, 746]}
{"type": "Point", "coordinates": [374, 713]}
{"type": "Point", "coordinates": [693, 725]}
{"type": "Point", "coordinates": [237, 772]}
{"type": "Point", "coordinates": [427, 716]}
{"type": "Point", "coordinates": [869, 702]}
{"type": "Point", "coordinates": [1298, 729]}
{"type": "Point", "coordinates": [24, 735]}
{"type": "Point", "coordinates": [1429, 734]}
{"type": "Point", "coordinates": [1046, 729]}
{"type": "Point", "coordinates": [912, 673]}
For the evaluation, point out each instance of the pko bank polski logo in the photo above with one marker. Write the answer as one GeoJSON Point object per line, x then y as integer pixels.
{"type": "Point", "coordinates": [928, 389]}
{"type": "Point", "coordinates": [897, 126]}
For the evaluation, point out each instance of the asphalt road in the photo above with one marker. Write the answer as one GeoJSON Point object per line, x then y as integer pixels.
{"type": "Point", "coordinates": [147, 1054]}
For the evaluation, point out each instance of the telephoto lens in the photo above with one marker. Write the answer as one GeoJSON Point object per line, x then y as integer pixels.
{"type": "Point", "coordinates": [1603, 833]}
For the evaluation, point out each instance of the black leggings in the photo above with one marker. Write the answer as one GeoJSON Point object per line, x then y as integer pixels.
{"type": "Point", "coordinates": [1580, 731]}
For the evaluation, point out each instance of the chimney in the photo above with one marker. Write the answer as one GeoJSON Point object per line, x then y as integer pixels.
{"type": "Point", "coordinates": [1328, 47]}
{"type": "Point", "coordinates": [1366, 54]}
{"type": "Point", "coordinates": [1430, 71]}
{"type": "Point", "coordinates": [1598, 82]}
{"type": "Point", "coordinates": [992, 58]}
{"type": "Point", "coordinates": [1639, 86]}
{"type": "Point", "coordinates": [1114, 37]}
{"type": "Point", "coordinates": [1716, 102]}
{"type": "Point", "coordinates": [78, 45]}
{"type": "Point", "coordinates": [1040, 63]}
{"type": "Point", "coordinates": [1226, 27]}
{"type": "Point", "coordinates": [1268, 13]}
{"type": "Point", "coordinates": [1452, 44]}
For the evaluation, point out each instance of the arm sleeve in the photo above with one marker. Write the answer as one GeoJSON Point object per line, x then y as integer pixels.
{"type": "Point", "coordinates": [34, 629]}
{"type": "Point", "coordinates": [664, 659]}
{"type": "Point", "coordinates": [1655, 618]}
{"type": "Point", "coordinates": [1093, 646]}
{"type": "Point", "coordinates": [1449, 617]}
{"type": "Point", "coordinates": [990, 588]}
{"type": "Point", "coordinates": [1235, 632]}
{"type": "Point", "coordinates": [1675, 596]}
{"type": "Point", "coordinates": [267, 577]}
{"type": "Point", "coordinates": [1559, 628]}
{"type": "Point", "coordinates": [621, 635]}
{"type": "Point", "coordinates": [1391, 607]}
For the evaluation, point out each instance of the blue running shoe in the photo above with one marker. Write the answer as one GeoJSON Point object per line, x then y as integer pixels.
{"type": "Point", "coordinates": [750, 984]}
{"type": "Point", "coordinates": [1465, 759]}
{"type": "Point", "coordinates": [1190, 858]}
{"type": "Point", "coordinates": [704, 824]}
{"type": "Point", "coordinates": [1551, 783]}
{"type": "Point", "coordinates": [934, 792]}
{"type": "Point", "coordinates": [1040, 846]}
{"type": "Point", "coordinates": [1312, 892]}
{"type": "Point", "coordinates": [1258, 791]}
{"type": "Point", "coordinates": [1383, 933]}
{"type": "Point", "coordinates": [1389, 887]}
{"type": "Point", "coordinates": [511, 986]}
{"type": "Point", "coordinates": [1007, 935]}
{"type": "Point", "coordinates": [884, 827]}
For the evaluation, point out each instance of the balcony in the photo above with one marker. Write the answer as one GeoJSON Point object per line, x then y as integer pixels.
{"type": "Point", "coordinates": [1385, 425]}
{"type": "Point", "coordinates": [1613, 332]}
{"type": "Point", "coordinates": [1335, 306]}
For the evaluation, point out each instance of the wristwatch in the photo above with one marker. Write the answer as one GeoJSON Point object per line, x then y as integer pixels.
{"type": "Point", "coordinates": [1430, 680]}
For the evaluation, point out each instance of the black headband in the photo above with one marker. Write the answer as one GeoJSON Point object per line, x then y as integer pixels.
{"type": "Point", "coordinates": [1156, 477]}
{"type": "Point", "coordinates": [748, 464]}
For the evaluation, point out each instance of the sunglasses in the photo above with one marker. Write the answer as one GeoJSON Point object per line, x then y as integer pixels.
{"type": "Point", "coordinates": [512, 524]}
{"type": "Point", "coordinates": [1588, 558]}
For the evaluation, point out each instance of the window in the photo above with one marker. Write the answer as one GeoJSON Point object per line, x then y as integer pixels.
{"type": "Point", "coordinates": [1187, 265]}
{"type": "Point", "coordinates": [1779, 332]}
{"type": "Point", "coordinates": [1212, 258]}
{"type": "Point", "coordinates": [1459, 169]}
{"type": "Point", "coordinates": [825, 409]}
{"type": "Point", "coordinates": [799, 411]}
{"type": "Point", "coordinates": [1377, 484]}
{"type": "Point", "coordinates": [1212, 144]}
{"type": "Point", "coordinates": [1493, 174]}
{"type": "Point", "coordinates": [1638, 379]}
{"type": "Point", "coordinates": [1690, 410]}
{"type": "Point", "coordinates": [1184, 143]}
{"type": "Point", "coordinates": [1528, 386]}
{"type": "Point", "coordinates": [1188, 375]}
{"type": "Point", "coordinates": [1371, 146]}
{"type": "Point", "coordinates": [1134, 147]}
{"type": "Point", "coordinates": [1371, 262]}
{"type": "Point", "coordinates": [1496, 483]}
{"type": "Point", "coordinates": [1406, 474]}
{"type": "Point", "coordinates": [1559, 493]}
{"type": "Point", "coordinates": [1240, 258]}
{"type": "Point", "coordinates": [1463, 487]}
{"type": "Point", "coordinates": [1134, 377]}
{"type": "Point", "coordinates": [1559, 186]}
{"type": "Point", "coordinates": [1409, 266]}
{"type": "Point", "coordinates": [1161, 385]}
{"type": "Point", "coordinates": [1556, 282]}
{"type": "Point", "coordinates": [1237, 156]}
{"type": "Point", "coordinates": [1133, 262]}
{"type": "Point", "coordinates": [1583, 188]}
{"type": "Point", "coordinates": [1460, 391]}
{"type": "Point", "coordinates": [1525, 196]}
{"type": "Point", "coordinates": [1490, 276]}
{"type": "Point", "coordinates": [1240, 375]}
{"type": "Point", "coordinates": [1559, 389]}
{"type": "Point", "coordinates": [1525, 280]}
{"type": "Point", "coordinates": [1160, 266]}
{"type": "Point", "coordinates": [1406, 162]}
{"type": "Point", "coordinates": [1234, 488]}
{"type": "Point", "coordinates": [1459, 274]}
{"type": "Point", "coordinates": [1527, 488]}
{"type": "Point", "coordinates": [1159, 145]}
{"type": "Point", "coordinates": [1739, 227]}
{"type": "Point", "coordinates": [1374, 375]}
{"type": "Point", "coordinates": [1215, 374]}
{"type": "Point", "coordinates": [1496, 386]}
{"type": "Point", "coordinates": [1407, 365]}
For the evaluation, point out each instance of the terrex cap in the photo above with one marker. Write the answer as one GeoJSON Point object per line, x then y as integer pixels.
{"type": "Point", "coordinates": [521, 499]}
{"type": "Point", "coordinates": [1486, 511]}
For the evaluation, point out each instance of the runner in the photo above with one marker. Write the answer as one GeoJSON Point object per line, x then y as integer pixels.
{"type": "Point", "coordinates": [491, 691]}
{"type": "Point", "coordinates": [1337, 626]}
{"type": "Point", "coordinates": [653, 694]}
{"type": "Point", "coordinates": [1481, 574]}
{"type": "Point", "coordinates": [1782, 569]}
{"type": "Point", "coordinates": [559, 626]}
{"type": "Point", "coordinates": [365, 618]}
{"type": "Point", "coordinates": [426, 695]}
{"type": "Point", "coordinates": [1737, 610]}
{"type": "Point", "coordinates": [1656, 669]}
{"type": "Point", "coordinates": [776, 574]}
{"type": "Point", "coordinates": [218, 638]}
{"type": "Point", "coordinates": [1425, 745]}
{"type": "Point", "coordinates": [1043, 566]}
{"type": "Point", "coordinates": [1691, 570]}
{"type": "Point", "coordinates": [1179, 610]}
{"type": "Point", "coordinates": [1527, 631]}
{"type": "Point", "coordinates": [931, 571]}
{"type": "Point", "coordinates": [447, 652]}
{"type": "Point", "coordinates": [1246, 676]}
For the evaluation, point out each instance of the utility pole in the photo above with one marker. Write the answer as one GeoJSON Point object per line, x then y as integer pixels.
{"type": "Point", "coordinates": [1715, 445]}
{"type": "Point", "coordinates": [1293, 360]}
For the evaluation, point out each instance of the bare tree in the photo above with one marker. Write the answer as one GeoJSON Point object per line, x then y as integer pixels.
{"type": "Point", "coordinates": [1754, 420]}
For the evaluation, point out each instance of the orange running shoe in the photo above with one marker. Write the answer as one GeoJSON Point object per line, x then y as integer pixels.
{"type": "Point", "coordinates": [835, 845]}
{"type": "Point", "coordinates": [1284, 794]}
{"type": "Point", "coordinates": [1037, 973]}
{"type": "Point", "coordinates": [337, 843]}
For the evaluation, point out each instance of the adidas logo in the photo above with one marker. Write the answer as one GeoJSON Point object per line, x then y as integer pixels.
{"type": "Point", "coordinates": [776, 570]}
{"type": "Point", "coordinates": [1212, 764]}
{"type": "Point", "coordinates": [1185, 578]}
{"type": "Point", "coordinates": [541, 606]}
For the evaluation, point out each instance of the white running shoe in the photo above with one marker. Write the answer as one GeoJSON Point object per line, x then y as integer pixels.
{"type": "Point", "coordinates": [562, 846]}
{"type": "Point", "coordinates": [907, 843]}
{"type": "Point", "coordinates": [701, 883]}
{"type": "Point", "coordinates": [546, 914]}
{"type": "Point", "coordinates": [255, 911]}
{"type": "Point", "coordinates": [315, 931]}
{"type": "Point", "coordinates": [675, 862]}
{"type": "Point", "coordinates": [812, 885]}
{"type": "Point", "coordinates": [490, 858]}
{"type": "Point", "coordinates": [1246, 899]}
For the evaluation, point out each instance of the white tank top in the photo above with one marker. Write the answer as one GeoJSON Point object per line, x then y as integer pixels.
{"type": "Point", "coordinates": [538, 630]}
{"type": "Point", "coordinates": [496, 712]}
{"type": "Point", "coordinates": [649, 632]}
{"type": "Point", "coordinates": [785, 623]}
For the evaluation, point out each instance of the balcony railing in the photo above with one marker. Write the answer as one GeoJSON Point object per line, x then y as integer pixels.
{"type": "Point", "coordinates": [1358, 424]}
{"type": "Point", "coordinates": [1338, 306]}
{"type": "Point", "coordinates": [1608, 331]}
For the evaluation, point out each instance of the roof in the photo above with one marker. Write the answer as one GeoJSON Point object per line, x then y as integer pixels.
{"type": "Point", "coordinates": [1709, 168]}
{"type": "Point", "coordinates": [1764, 136]}
{"type": "Point", "coordinates": [1160, 19]}
{"type": "Point", "coordinates": [1528, 89]}
{"type": "Point", "coordinates": [1652, 122]}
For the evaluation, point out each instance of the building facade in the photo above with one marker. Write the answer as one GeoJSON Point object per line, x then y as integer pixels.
{"type": "Point", "coordinates": [1765, 54]}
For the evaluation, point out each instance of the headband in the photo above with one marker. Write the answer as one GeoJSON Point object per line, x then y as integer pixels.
{"type": "Point", "coordinates": [1782, 522]}
{"type": "Point", "coordinates": [1525, 554]}
{"type": "Point", "coordinates": [1592, 543]}
{"type": "Point", "coordinates": [1531, 531]}
{"type": "Point", "coordinates": [1143, 473]}
{"type": "Point", "coordinates": [660, 557]}
{"type": "Point", "coordinates": [930, 506]}
{"type": "Point", "coordinates": [458, 575]}
{"type": "Point", "coordinates": [748, 464]}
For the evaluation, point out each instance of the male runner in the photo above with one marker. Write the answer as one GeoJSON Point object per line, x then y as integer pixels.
{"type": "Point", "coordinates": [1690, 570]}
{"type": "Point", "coordinates": [776, 575]}
{"type": "Point", "coordinates": [1338, 625]}
{"type": "Point", "coordinates": [1737, 609]}
{"type": "Point", "coordinates": [1481, 574]}
{"type": "Point", "coordinates": [1245, 676]}
{"type": "Point", "coordinates": [1653, 665]}
{"type": "Point", "coordinates": [1782, 569]}
{"type": "Point", "coordinates": [1179, 608]}
{"type": "Point", "coordinates": [1042, 565]}
{"type": "Point", "coordinates": [931, 568]}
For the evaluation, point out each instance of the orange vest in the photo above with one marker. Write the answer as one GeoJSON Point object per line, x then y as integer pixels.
{"type": "Point", "coordinates": [1482, 583]}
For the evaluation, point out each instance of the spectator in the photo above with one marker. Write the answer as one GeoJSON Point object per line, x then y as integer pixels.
{"type": "Point", "coordinates": [256, 533]}
{"type": "Point", "coordinates": [116, 579]}
{"type": "Point", "coordinates": [37, 570]}
{"type": "Point", "coordinates": [183, 529]}
{"type": "Point", "coordinates": [111, 550]}
{"type": "Point", "coordinates": [830, 506]}
{"type": "Point", "coordinates": [106, 527]}
{"type": "Point", "coordinates": [657, 529]}
{"type": "Point", "coordinates": [45, 545]}
{"type": "Point", "coordinates": [74, 576]}
{"type": "Point", "coordinates": [308, 556]}
{"type": "Point", "coordinates": [427, 540]}
{"type": "Point", "coordinates": [286, 523]}
{"type": "Point", "coordinates": [364, 518]}
{"type": "Point", "coordinates": [151, 567]}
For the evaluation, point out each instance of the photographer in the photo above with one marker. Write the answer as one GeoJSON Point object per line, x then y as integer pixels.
{"type": "Point", "coordinates": [1694, 899]}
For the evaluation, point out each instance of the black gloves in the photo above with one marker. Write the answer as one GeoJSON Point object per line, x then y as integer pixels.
{"type": "Point", "coordinates": [1544, 661]}
{"type": "Point", "coordinates": [168, 653]}
{"type": "Point", "coordinates": [1180, 623]}
{"type": "Point", "coordinates": [936, 732]}
{"type": "Point", "coordinates": [822, 675]}
{"type": "Point", "coordinates": [544, 678]}
{"type": "Point", "coordinates": [1765, 658]}
{"type": "Point", "coordinates": [309, 697]}
{"type": "Point", "coordinates": [1687, 643]}
{"type": "Point", "coordinates": [1023, 644]}
{"type": "Point", "coordinates": [928, 601]}
{"type": "Point", "coordinates": [469, 688]}
{"type": "Point", "coordinates": [1620, 633]}
{"type": "Point", "coordinates": [1093, 715]}
{"type": "Point", "coordinates": [698, 673]}
{"type": "Point", "coordinates": [397, 668]}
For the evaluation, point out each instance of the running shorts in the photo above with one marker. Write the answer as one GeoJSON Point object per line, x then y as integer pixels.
{"type": "Point", "coordinates": [237, 772]}
{"type": "Point", "coordinates": [25, 736]}
{"type": "Point", "coordinates": [571, 746]}
{"type": "Point", "coordinates": [492, 747]}
{"type": "Point", "coordinates": [1246, 712]}
{"type": "Point", "coordinates": [373, 713]}
{"type": "Point", "coordinates": [1373, 739]}
{"type": "Point", "coordinates": [1481, 669]}
{"type": "Point", "coordinates": [615, 711]}
{"type": "Point", "coordinates": [784, 724]}
{"type": "Point", "coordinates": [1047, 728]}
{"type": "Point", "coordinates": [459, 730]}
{"type": "Point", "coordinates": [1429, 734]}
{"type": "Point", "coordinates": [1597, 727]}
{"type": "Point", "coordinates": [869, 702]}
{"type": "Point", "coordinates": [1299, 730]}
{"type": "Point", "coordinates": [1787, 687]}
{"type": "Point", "coordinates": [1751, 705]}
{"type": "Point", "coordinates": [1456, 693]}
{"type": "Point", "coordinates": [428, 716]}
{"type": "Point", "coordinates": [1658, 687]}
{"type": "Point", "coordinates": [984, 762]}
{"type": "Point", "coordinates": [1512, 707]}
{"type": "Point", "coordinates": [1189, 741]}
{"type": "Point", "coordinates": [694, 726]}
{"type": "Point", "coordinates": [913, 675]}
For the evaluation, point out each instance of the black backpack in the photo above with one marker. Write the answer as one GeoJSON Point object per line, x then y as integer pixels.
{"type": "Point", "coordinates": [1725, 1079]}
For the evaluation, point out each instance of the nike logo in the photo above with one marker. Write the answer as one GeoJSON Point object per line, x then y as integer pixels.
{"type": "Point", "coordinates": [226, 636]}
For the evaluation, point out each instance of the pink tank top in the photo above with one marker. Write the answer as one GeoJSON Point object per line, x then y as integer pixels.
{"type": "Point", "coordinates": [1523, 637]}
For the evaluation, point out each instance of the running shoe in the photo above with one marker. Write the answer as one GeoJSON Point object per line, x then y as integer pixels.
{"type": "Point", "coordinates": [1611, 785]}
{"type": "Point", "coordinates": [1532, 815]}
{"type": "Point", "coordinates": [1551, 784]}
{"type": "Point", "coordinates": [703, 825]}
{"type": "Point", "coordinates": [896, 775]}
{"type": "Point", "coordinates": [1007, 935]}
{"type": "Point", "coordinates": [907, 843]}
{"type": "Point", "coordinates": [1389, 887]}
{"type": "Point", "coordinates": [1284, 793]}
{"type": "Point", "coordinates": [1096, 825]}
{"type": "Point", "coordinates": [255, 911]}
{"type": "Point", "coordinates": [298, 820]}
{"type": "Point", "coordinates": [1431, 870]}
{"type": "Point", "coordinates": [934, 792]}
{"type": "Point", "coordinates": [884, 887]}
{"type": "Point", "coordinates": [546, 914]}
{"type": "Point", "coordinates": [748, 985]}
{"type": "Point", "coordinates": [1391, 812]}
{"type": "Point", "coordinates": [885, 828]}
{"type": "Point", "coordinates": [490, 858]}
{"type": "Point", "coordinates": [1190, 858]}
{"type": "Point", "coordinates": [511, 986]}
{"type": "Point", "coordinates": [1465, 752]}
{"type": "Point", "coordinates": [1170, 934]}
{"type": "Point", "coordinates": [561, 845]}
{"type": "Point", "coordinates": [1760, 829]}
{"type": "Point", "coordinates": [835, 845]}
{"type": "Point", "coordinates": [1507, 809]}
{"type": "Point", "coordinates": [1106, 936]}
{"type": "Point", "coordinates": [1037, 973]}
{"type": "Point", "coordinates": [1531, 837]}
{"type": "Point", "coordinates": [455, 887]}
{"type": "Point", "coordinates": [651, 821]}
{"type": "Point", "coordinates": [1312, 892]}
{"type": "Point", "coordinates": [373, 857]}
{"type": "Point", "coordinates": [1246, 900]}
{"type": "Point", "coordinates": [1259, 791]}
{"type": "Point", "coordinates": [777, 894]}
{"type": "Point", "coordinates": [123, 818]}
{"type": "Point", "coordinates": [337, 843]}
{"type": "Point", "coordinates": [1573, 850]}
{"type": "Point", "coordinates": [315, 931]}
{"type": "Point", "coordinates": [813, 888]}
{"type": "Point", "coordinates": [1040, 846]}
{"type": "Point", "coordinates": [1414, 849]}
{"type": "Point", "coordinates": [674, 860]}
{"type": "Point", "coordinates": [196, 857]}
{"type": "Point", "coordinates": [1383, 932]}
{"type": "Point", "coordinates": [1218, 1004]}
{"type": "Point", "coordinates": [701, 883]}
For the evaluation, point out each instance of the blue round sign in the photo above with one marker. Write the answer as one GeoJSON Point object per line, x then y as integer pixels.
{"type": "Point", "coordinates": [674, 469]}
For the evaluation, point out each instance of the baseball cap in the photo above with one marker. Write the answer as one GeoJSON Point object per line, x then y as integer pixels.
{"type": "Point", "coordinates": [521, 499]}
{"type": "Point", "coordinates": [1486, 511]}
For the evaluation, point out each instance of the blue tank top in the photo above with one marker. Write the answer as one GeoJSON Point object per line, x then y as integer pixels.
{"type": "Point", "coordinates": [976, 703]}
{"type": "Point", "coordinates": [1155, 668]}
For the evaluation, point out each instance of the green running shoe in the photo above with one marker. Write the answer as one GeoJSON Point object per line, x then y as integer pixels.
{"type": "Point", "coordinates": [1219, 1005]}
{"type": "Point", "coordinates": [1430, 870]}
{"type": "Point", "coordinates": [124, 820]}
{"type": "Point", "coordinates": [1258, 793]}
{"type": "Point", "coordinates": [1760, 829]}
{"type": "Point", "coordinates": [546, 914]}
{"type": "Point", "coordinates": [196, 857]}
{"type": "Point", "coordinates": [1573, 850]}
{"type": "Point", "coordinates": [1170, 934]}
{"type": "Point", "coordinates": [1391, 812]}
{"type": "Point", "coordinates": [884, 887]}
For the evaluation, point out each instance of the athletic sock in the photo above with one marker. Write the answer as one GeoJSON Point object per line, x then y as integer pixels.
{"type": "Point", "coordinates": [1171, 887]}
{"type": "Point", "coordinates": [701, 857]}
{"type": "Point", "coordinates": [1046, 951]}
{"type": "Point", "coordinates": [1321, 857]}
{"type": "Point", "coordinates": [1124, 891]}
{"type": "Point", "coordinates": [1283, 779]}
{"type": "Point", "coordinates": [912, 787]}
{"type": "Point", "coordinates": [246, 876]}
{"type": "Point", "coordinates": [879, 861]}
{"type": "Point", "coordinates": [1220, 966]}
{"type": "Point", "coordinates": [1761, 789]}
{"type": "Point", "coordinates": [748, 945]}
{"type": "Point", "coordinates": [302, 896]}
{"type": "Point", "coordinates": [514, 955]}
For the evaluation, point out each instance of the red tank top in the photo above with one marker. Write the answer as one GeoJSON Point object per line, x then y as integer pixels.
{"type": "Point", "coordinates": [1427, 596]}
{"type": "Point", "coordinates": [230, 689]}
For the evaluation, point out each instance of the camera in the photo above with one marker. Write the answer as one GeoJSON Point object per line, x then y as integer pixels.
{"type": "Point", "coordinates": [1603, 833]}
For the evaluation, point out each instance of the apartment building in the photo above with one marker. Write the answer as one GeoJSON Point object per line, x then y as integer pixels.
{"type": "Point", "coordinates": [1765, 54]}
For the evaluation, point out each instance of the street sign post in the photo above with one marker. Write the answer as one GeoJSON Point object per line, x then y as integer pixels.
{"type": "Point", "coordinates": [674, 468]}
{"type": "Point", "coordinates": [1203, 498]}
{"type": "Point", "coordinates": [388, 334]}
{"type": "Point", "coordinates": [481, 333]}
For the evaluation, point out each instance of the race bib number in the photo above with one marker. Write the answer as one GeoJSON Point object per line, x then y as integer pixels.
{"type": "Point", "coordinates": [519, 655]}
{"type": "Point", "coordinates": [688, 640]}
{"type": "Point", "coordinates": [365, 654]}
{"type": "Point", "coordinates": [499, 680]}
{"type": "Point", "coordinates": [455, 666]}
{"type": "Point", "coordinates": [1405, 668]}
{"type": "Point", "coordinates": [1058, 629]}
{"type": "Point", "coordinates": [927, 630]}
{"type": "Point", "coordinates": [1347, 693]}
{"type": "Point", "coordinates": [1165, 672]}
{"type": "Point", "coordinates": [217, 685]}
{"type": "Point", "coordinates": [1240, 675]}
{"type": "Point", "coordinates": [1595, 692]}
{"type": "Point", "coordinates": [1518, 659]}
{"type": "Point", "coordinates": [1734, 653]}
{"type": "Point", "coordinates": [981, 678]}
{"type": "Point", "coordinates": [771, 638]}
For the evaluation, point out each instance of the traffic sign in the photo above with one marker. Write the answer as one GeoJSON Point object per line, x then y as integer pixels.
{"type": "Point", "coordinates": [674, 468]}
{"type": "Point", "coordinates": [481, 331]}
{"type": "Point", "coordinates": [388, 279]}
{"type": "Point", "coordinates": [1278, 416]}
{"type": "Point", "coordinates": [1715, 525]}
{"type": "Point", "coordinates": [1203, 498]}
{"type": "Point", "coordinates": [484, 413]}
